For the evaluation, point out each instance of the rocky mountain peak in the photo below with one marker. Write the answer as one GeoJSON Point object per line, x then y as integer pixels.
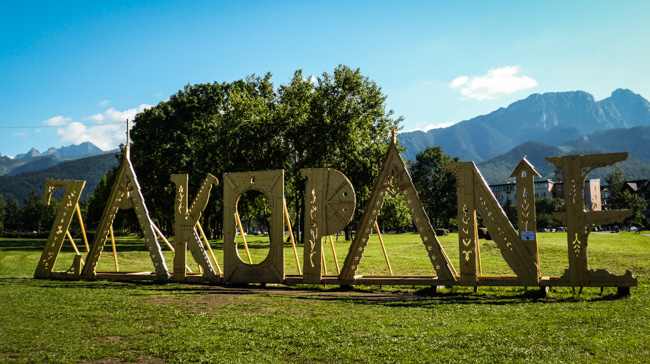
{"type": "Point", "coordinates": [32, 153]}
{"type": "Point", "coordinates": [80, 150]}
{"type": "Point", "coordinates": [553, 118]}
{"type": "Point", "coordinates": [626, 108]}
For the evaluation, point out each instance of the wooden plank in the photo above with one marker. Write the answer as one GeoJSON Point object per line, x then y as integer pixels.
{"type": "Point", "coordinates": [329, 206]}
{"type": "Point", "coordinates": [271, 270]}
{"type": "Point", "coordinates": [525, 175]}
{"type": "Point", "coordinates": [580, 222]}
{"type": "Point", "coordinates": [394, 178]}
{"type": "Point", "coordinates": [287, 220]}
{"type": "Point", "coordinates": [475, 196]}
{"type": "Point", "coordinates": [186, 219]}
{"type": "Point", "coordinates": [126, 194]}
{"type": "Point", "coordinates": [467, 229]}
{"type": "Point", "coordinates": [61, 223]}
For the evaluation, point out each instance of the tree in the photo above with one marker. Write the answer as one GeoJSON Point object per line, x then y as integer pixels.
{"type": "Point", "coordinates": [394, 214]}
{"type": "Point", "coordinates": [12, 214]}
{"type": "Point", "coordinates": [544, 208]}
{"type": "Point", "coordinates": [620, 198]}
{"type": "Point", "coordinates": [49, 215]}
{"type": "Point", "coordinates": [253, 207]}
{"type": "Point", "coordinates": [205, 128]}
{"type": "Point", "coordinates": [511, 211]}
{"type": "Point", "coordinates": [338, 122]}
{"type": "Point", "coordinates": [436, 187]}
{"type": "Point", "coordinates": [347, 129]}
{"type": "Point", "coordinates": [98, 200]}
{"type": "Point", "coordinates": [33, 212]}
{"type": "Point", "coordinates": [124, 219]}
{"type": "Point", "coordinates": [2, 213]}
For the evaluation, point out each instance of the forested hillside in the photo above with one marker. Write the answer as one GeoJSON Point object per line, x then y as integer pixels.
{"type": "Point", "coordinates": [496, 170]}
{"type": "Point", "coordinates": [90, 169]}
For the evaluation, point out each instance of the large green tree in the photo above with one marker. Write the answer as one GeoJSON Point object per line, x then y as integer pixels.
{"type": "Point", "coordinates": [544, 208]}
{"type": "Point", "coordinates": [12, 219]}
{"type": "Point", "coordinates": [436, 187]}
{"type": "Point", "coordinates": [395, 214]}
{"type": "Point", "coordinates": [33, 212]}
{"type": "Point", "coordinates": [339, 121]}
{"type": "Point", "coordinates": [2, 213]}
{"type": "Point", "coordinates": [621, 198]}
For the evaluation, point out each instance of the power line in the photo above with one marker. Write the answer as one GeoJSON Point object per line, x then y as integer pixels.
{"type": "Point", "coordinates": [59, 126]}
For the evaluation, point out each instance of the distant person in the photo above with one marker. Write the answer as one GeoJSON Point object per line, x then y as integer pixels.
{"type": "Point", "coordinates": [640, 230]}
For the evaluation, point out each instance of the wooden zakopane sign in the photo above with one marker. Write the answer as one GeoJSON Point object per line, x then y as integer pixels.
{"type": "Point", "coordinates": [185, 220]}
{"type": "Point", "coordinates": [126, 194]}
{"type": "Point", "coordinates": [580, 223]}
{"type": "Point", "coordinates": [271, 269]}
{"type": "Point", "coordinates": [394, 179]}
{"type": "Point", "coordinates": [474, 196]}
{"type": "Point", "coordinates": [329, 207]}
{"type": "Point", "coordinates": [58, 233]}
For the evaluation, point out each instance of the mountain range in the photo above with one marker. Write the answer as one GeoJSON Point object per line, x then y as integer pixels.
{"type": "Point", "coordinates": [77, 150]}
{"type": "Point", "coordinates": [548, 124]}
{"type": "Point", "coordinates": [538, 126]}
{"type": "Point", "coordinates": [90, 169]}
{"type": "Point", "coordinates": [34, 160]}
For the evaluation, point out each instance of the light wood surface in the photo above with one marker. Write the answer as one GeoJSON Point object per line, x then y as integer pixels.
{"type": "Point", "coordinates": [271, 269]}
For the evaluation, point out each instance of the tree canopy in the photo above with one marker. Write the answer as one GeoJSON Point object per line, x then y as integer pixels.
{"type": "Point", "coordinates": [339, 121]}
{"type": "Point", "coordinates": [436, 187]}
{"type": "Point", "coordinates": [620, 198]}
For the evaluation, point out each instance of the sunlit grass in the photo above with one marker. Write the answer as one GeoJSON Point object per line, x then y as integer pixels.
{"type": "Point", "coordinates": [95, 321]}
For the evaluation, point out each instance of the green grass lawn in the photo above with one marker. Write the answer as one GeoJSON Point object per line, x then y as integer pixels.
{"type": "Point", "coordinates": [106, 322]}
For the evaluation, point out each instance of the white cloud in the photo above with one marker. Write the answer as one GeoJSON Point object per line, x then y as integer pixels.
{"type": "Point", "coordinates": [104, 103]}
{"type": "Point", "coordinates": [21, 133]}
{"type": "Point", "coordinates": [96, 117]}
{"type": "Point", "coordinates": [107, 131]}
{"type": "Point", "coordinates": [443, 125]}
{"type": "Point", "coordinates": [428, 127]}
{"type": "Point", "coordinates": [458, 81]}
{"type": "Point", "coordinates": [497, 81]}
{"type": "Point", "coordinates": [56, 121]}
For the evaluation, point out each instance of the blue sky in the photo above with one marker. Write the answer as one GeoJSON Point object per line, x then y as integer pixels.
{"type": "Point", "coordinates": [70, 70]}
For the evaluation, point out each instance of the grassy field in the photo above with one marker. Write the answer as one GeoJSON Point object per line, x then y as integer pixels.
{"type": "Point", "coordinates": [104, 322]}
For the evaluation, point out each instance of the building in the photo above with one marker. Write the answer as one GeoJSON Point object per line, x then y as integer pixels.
{"type": "Point", "coordinates": [508, 191]}
{"type": "Point", "coordinates": [547, 188]}
{"type": "Point", "coordinates": [639, 188]}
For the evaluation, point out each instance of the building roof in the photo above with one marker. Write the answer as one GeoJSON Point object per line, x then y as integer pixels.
{"type": "Point", "coordinates": [639, 185]}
